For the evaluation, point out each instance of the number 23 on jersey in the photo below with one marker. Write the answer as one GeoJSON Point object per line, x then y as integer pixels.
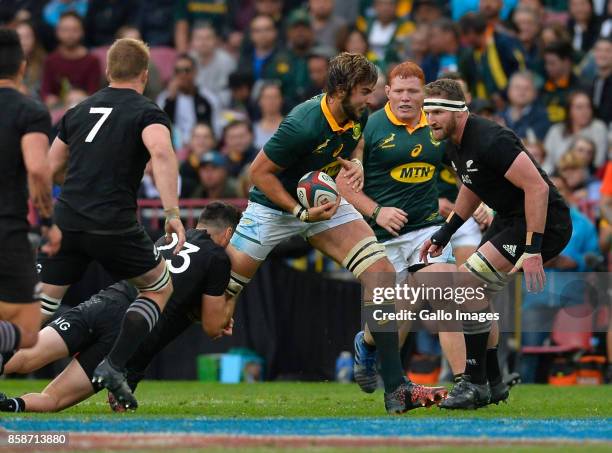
{"type": "Point", "coordinates": [184, 254]}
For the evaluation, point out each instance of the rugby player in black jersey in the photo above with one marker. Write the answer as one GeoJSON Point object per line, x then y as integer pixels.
{"type": "Point", "coordinates": [532, 222]}
{"type": "Point", "coordinates": [24, 142]}
{"type": "Point", "coordinates": [200, 273]}
{"type": "Point", "coordinates": [99, 156]}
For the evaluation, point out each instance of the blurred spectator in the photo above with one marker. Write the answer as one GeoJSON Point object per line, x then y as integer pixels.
{"type": "Point", "coordinates": [491, 10]}
{"type": "Point", "coordinates": [528, 25]}
{"type": "Point", "coordinates": [154, 82]}
{"type": "Point", "coordinates": [237, 145]}
{"type": "Point", "coordinates": [491, 60]}
{"type": "Point", "coordinates": [601, 91]}
{"type": "Point", "coordinates": [258, 58]}
{"type": "Point", "coordinates": [105, 17]}
{"type": "Point", "coordinates": [583, 241]}
{"type": "Point", "coordinates": [202, 141]}
{"type": "Point", "coordinates": [605, 206]}
{"type": "Point", "coordinates": [290, 65]}
{"type": "Point", "coordinates": [270, 105]}
{"type": "Point", "coordinates": [329, 29]}
{"type": "Point", "coordinates": [444, 50]}
{"type": "Point", "coordinates": [385, 29]}
{"type": "Point", "coordinates": [579, 122]}
{"type": "Point", "coordinates": [241, 85]}
{"type": "Point", "coordinates": [606, 25]}
{"type": "Point", "coordinates": [462, 83]}
{"type": "Point", "coordinates": [318, 64]}
{"type": "Point", "coordinates": [54, 9]}
{"type": "Point", "coordinates": [583, 25]}
{"type": "Point", "coordinates": [348, 9]}
{"type": "Point", "coordinates": [147, 185]}
{"type": "Point", "coordinates": [272, 8]}
{"type": "Point", "coordinates": [560, 81]}
{"type": "Point", "coordinates": [357, 42]}
{"type": "Point", "coordinates": [35, 58]}
{"type": "Point", "coordinates": [184, 103]}
{"type": "Point", "coordinates": [214, 65]}
{"type": "Point", "coordinates": [417, 46]}
{"type": "Point", "coordinates": [189, 12]}
{"type": "Point", "coordinates": [379, 95]}
{"type": "Point", "coordinates": [426, 11]}
{"type": "Point", "coordinates": [368, 11]}
{"type": "Point", "coordinates": [584, 148]}
{"type": "Point", "coordinates": [460, 8]}
{"type": "Point", "coordinates": [524, 114]}
{"type": "Point", "coordinates": [553, 33]}
{"type": "Point", "coordinates": [537, 151]}
{"type": "Point", "coordinates": [154, 24]}
{"type": "Point", "coordinates": [214, 181]}
{"type": "Point", "coordinates": [70, 65]}
{"type": "Point", "coordinates": [575, 171]}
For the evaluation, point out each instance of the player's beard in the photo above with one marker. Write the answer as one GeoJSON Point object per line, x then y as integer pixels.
{"type": "Point", "coordinates": [350, 111]}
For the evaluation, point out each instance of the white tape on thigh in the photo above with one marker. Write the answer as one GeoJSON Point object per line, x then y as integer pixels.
{"type": "Point", "coordinates": [365, 253]}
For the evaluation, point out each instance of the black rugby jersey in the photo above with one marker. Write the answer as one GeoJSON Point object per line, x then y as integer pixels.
{"type": "Point", "coordinates": [107, 158]}
{"type": "Point", "coordinates": [486, 152]}
{"type": "Point", "coordinates": [20, 115]}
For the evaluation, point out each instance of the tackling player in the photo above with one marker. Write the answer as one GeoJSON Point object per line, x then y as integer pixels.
{"type": "Point", "coordinates": [318, 135]}
{"type": "Point", "coordinates": [100, 155]}
{"type": "Point", "coordinates": [24, 129]}
{"type": "Point", "coordinates": [200, 273]}
{"type": "Point", "coordinates": [532, 222]}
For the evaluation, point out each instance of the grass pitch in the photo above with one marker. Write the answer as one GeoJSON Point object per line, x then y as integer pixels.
{"type": "Point", "coordinates": [299, 399]}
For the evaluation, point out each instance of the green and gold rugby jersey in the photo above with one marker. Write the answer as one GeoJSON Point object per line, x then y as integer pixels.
{"type": "Point", "coordinates": [447, 182]}
{"type": "Point", "coordinates": [400, 169]}
{"type": "Point", "coordinates": [308, 139]}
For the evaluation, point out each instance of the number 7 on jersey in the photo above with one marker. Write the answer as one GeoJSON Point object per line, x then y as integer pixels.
{"type": "Point", "coordinates": [105, 111]}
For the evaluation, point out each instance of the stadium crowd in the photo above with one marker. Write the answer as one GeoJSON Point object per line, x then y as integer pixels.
{"type": "Point", "coordinates": [227, 71]}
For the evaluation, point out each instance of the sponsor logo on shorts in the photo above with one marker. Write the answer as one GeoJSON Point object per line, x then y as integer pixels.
{"type": "Point", "coordinates": [413, 173]}
{"type": "Point", "coordinates": [511, 249]}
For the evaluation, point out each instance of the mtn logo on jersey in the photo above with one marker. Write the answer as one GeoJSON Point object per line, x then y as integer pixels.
{"type": "Point", "coordinates": [511, 249]}
{"type": "Point", "coordinates": [413, 173]}
{"type": "Point", "coordinates": [468, 164]}
{"type": "Point", "coordinates": [386, 143]}
{"type": "Point", "coordinates": [332, 169]}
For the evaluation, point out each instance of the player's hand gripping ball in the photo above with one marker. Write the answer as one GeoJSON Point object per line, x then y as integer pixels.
{"type": "Point", "coordinates": [315, 189]}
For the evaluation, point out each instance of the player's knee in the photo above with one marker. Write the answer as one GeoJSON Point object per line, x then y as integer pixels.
{"type": "Point", "coordinates": [236, 284]}
{"type": "Point", "coordinates": [484, 272]}
{"type": "Point", "coordinates": [367, 256]}
{"type": "Point", "coordinates": [162, 284]}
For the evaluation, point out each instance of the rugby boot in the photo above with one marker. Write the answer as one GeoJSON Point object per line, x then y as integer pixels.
{"type": "Point", "coordinates": [467, 395]}
{"type": "Point", "coordinates": [411, 396]}
{"type": "Point", "coordinates": [116, 383]}
{"type": "Point", "coordinates": [364, 367]}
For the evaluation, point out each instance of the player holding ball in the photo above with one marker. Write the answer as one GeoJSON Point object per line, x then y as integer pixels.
{"type": "Point", "coordinates": [320, 135]}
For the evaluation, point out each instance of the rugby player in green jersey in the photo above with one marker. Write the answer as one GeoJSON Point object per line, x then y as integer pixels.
{"type": "Point", "coordinates": [400, 196]}
{"type": "Point", "coordinates": [320, 134]}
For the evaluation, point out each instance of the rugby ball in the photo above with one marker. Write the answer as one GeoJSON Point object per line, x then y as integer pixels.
{"type": "Point", "coordinates": [315, 189]}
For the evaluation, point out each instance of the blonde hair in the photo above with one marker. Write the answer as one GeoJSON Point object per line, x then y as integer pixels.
{"type": "Point", "coordinates": [126, 59]}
